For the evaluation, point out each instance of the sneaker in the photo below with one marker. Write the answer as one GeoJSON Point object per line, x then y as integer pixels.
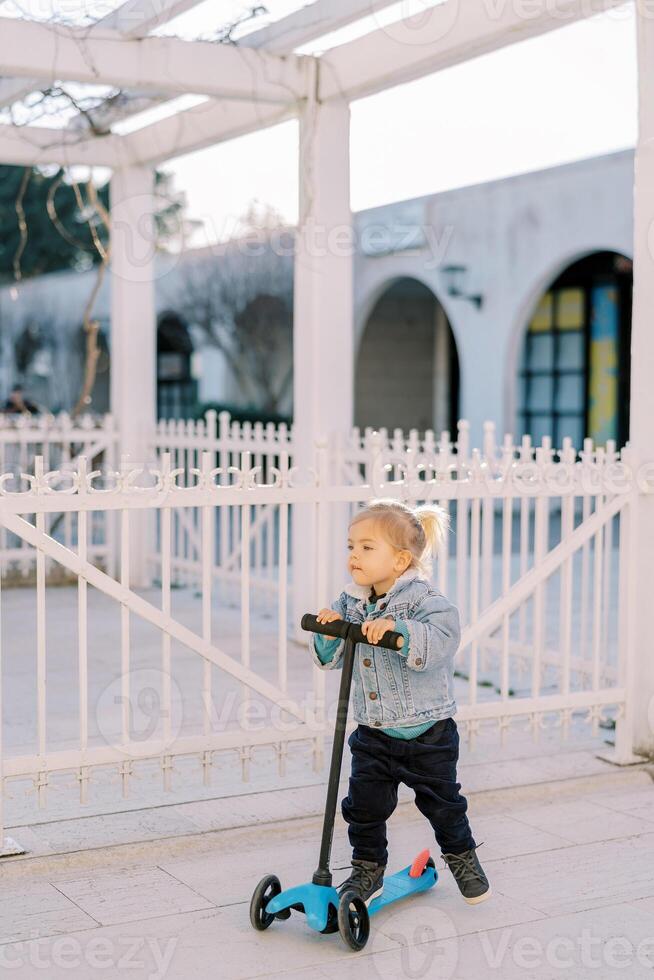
{"type": "Point", "coordinates": [469, 876]}
{"type": "Point", "coordinates": [367, 880]}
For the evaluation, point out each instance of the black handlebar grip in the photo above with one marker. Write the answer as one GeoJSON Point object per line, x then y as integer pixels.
{"type": "Point", "coordinates": [342, 628]}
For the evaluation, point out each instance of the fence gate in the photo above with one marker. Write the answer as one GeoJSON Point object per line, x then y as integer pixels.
{"type": "Point", "coordinates": [228, 683]}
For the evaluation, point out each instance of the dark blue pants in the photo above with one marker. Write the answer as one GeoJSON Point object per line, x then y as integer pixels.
{"type": "Point", "coordinates": [427, 764]}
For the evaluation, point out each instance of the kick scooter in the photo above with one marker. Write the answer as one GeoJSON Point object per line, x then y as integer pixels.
{"type": "Point", "coordinates": [324, 909]}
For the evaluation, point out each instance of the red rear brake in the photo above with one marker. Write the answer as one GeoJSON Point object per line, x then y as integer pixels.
{"type": "Point", "coordinates": [419, 864]}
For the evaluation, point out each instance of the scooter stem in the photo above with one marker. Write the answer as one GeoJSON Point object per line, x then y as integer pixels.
{"type": "Point", "coordinates": [322, 875]}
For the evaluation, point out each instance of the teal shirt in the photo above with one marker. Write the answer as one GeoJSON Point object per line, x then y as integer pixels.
{"type": "Point", "coordinates": [326, 648]}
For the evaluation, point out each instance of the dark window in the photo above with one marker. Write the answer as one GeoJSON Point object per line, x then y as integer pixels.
{"type": "Point", "coordinates": [574, 370]}
{"type": "Point", "coordinates": [176, 387]}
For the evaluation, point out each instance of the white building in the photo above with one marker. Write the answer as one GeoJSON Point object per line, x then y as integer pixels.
{"type": "Point", "coordinates": [543, 260]}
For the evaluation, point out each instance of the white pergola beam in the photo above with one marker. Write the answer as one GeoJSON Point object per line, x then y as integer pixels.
{"type": "Point", "coordinates": [309, 23]}
{"type": "Point", "coordinates": [27, 146]}
{"type": "Point", "coordinates": [453, 33]}
{"type": "Point", "coordinates": [28, 48]}
{"type": "Point", "coordinates": [136, 18]}
{"type": "Point", "coordinates": [108, 113]}
{"type": "Point", "coordinates": [201, 126]}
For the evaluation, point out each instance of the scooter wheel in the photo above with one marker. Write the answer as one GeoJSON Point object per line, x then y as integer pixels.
{"type": "Point", "coordinates": [353, 920]}
{"type": "Point", "coordinates": [267, 888]}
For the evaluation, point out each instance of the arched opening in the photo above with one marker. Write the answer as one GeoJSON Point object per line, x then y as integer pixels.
{"type": "Point", "coordinates": [574, 369]}
{"type": "Point", "coordinates": [407, 368]}
{"type": "Point", "coordinates": [176, 387]}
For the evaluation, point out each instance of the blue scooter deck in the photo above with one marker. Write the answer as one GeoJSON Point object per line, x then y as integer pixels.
{"type": "Point", "coordinates": [400, 885]}
{"type": "Point", "coordinates": [316, 899]}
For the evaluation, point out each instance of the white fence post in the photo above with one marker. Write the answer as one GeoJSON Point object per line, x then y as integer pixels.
{"type": "Point", "coordinates": [8, 845]}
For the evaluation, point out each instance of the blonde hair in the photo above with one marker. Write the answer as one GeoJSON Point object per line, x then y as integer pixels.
{"type": "Point", "coordinates": [420, 530]}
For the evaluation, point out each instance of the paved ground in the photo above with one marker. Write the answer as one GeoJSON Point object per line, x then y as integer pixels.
{"type": "Point", "coordinates": [571, 863]}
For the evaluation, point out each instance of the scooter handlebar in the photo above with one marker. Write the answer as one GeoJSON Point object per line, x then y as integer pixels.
{"type": "Point", "coordinates": [342, 628]}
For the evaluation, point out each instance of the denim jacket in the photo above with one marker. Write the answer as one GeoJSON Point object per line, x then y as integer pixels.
{"type": "Point", "coordinates": [396, 688]}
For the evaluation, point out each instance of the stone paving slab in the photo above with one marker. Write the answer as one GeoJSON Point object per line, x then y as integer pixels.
{"type": "Point", "coordinates": [88, 832]}
{"type": "Point", "coordinates": [583, 822]}
{"type": "Point", "coordinates": [586, 877]}
{"type": "Point", "coordinates": [638, 803]}
{"type": "Point", "coordinates": [38, 908]}
{"type": "Point", "coordinates": [126, 894]}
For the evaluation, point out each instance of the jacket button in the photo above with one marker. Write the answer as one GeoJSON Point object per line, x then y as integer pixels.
{"type": "Point", "coordinates": [418, 661]}
{"type": "Point", "coordinates": [367, 662]}
{"type": "Point", "coordinates": [373, 695]}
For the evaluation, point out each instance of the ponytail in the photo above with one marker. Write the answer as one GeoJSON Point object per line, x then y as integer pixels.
{"type": "Point", "coordinates": [435, 521]}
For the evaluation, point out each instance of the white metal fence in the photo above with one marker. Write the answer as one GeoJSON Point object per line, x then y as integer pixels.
{"type": "Point", "coordinates": [538, 564]}
{"type": "Point", "coordinates": [225, 441]}
{"type": "Point", "coordinates": [59, 441]}
{"type": "Point", "coordinates": [349, 462]}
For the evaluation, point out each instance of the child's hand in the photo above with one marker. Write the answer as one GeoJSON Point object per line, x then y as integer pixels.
{"type": "Point", "coordinates": [374, 629]}
{"type": "Point", "coordinates": [327, 616]}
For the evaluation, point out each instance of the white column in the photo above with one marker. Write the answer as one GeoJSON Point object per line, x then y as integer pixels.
{"type": "Point", "coordinates": [133, 333]}
{"type": "Point", "coordinates": [642, 390]}
{"type": "Point", "coordinates": [482, 375]}
{"type": "Point", "coordinates": [323, 344]}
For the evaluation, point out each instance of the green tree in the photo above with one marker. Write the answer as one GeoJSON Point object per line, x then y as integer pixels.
{"type": "Point", "coordinates": [65, 243]}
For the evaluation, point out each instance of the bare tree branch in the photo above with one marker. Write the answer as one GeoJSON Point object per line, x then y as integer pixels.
{"type": "Point", "coordinates": [242, 303]}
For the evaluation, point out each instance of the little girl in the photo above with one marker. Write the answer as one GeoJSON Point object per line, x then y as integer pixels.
{"type": "Point", "coordinates": [404, 700]}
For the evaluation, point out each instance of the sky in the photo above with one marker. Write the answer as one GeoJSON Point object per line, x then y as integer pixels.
{"type": "Point", "coordinates": [562, 97]}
